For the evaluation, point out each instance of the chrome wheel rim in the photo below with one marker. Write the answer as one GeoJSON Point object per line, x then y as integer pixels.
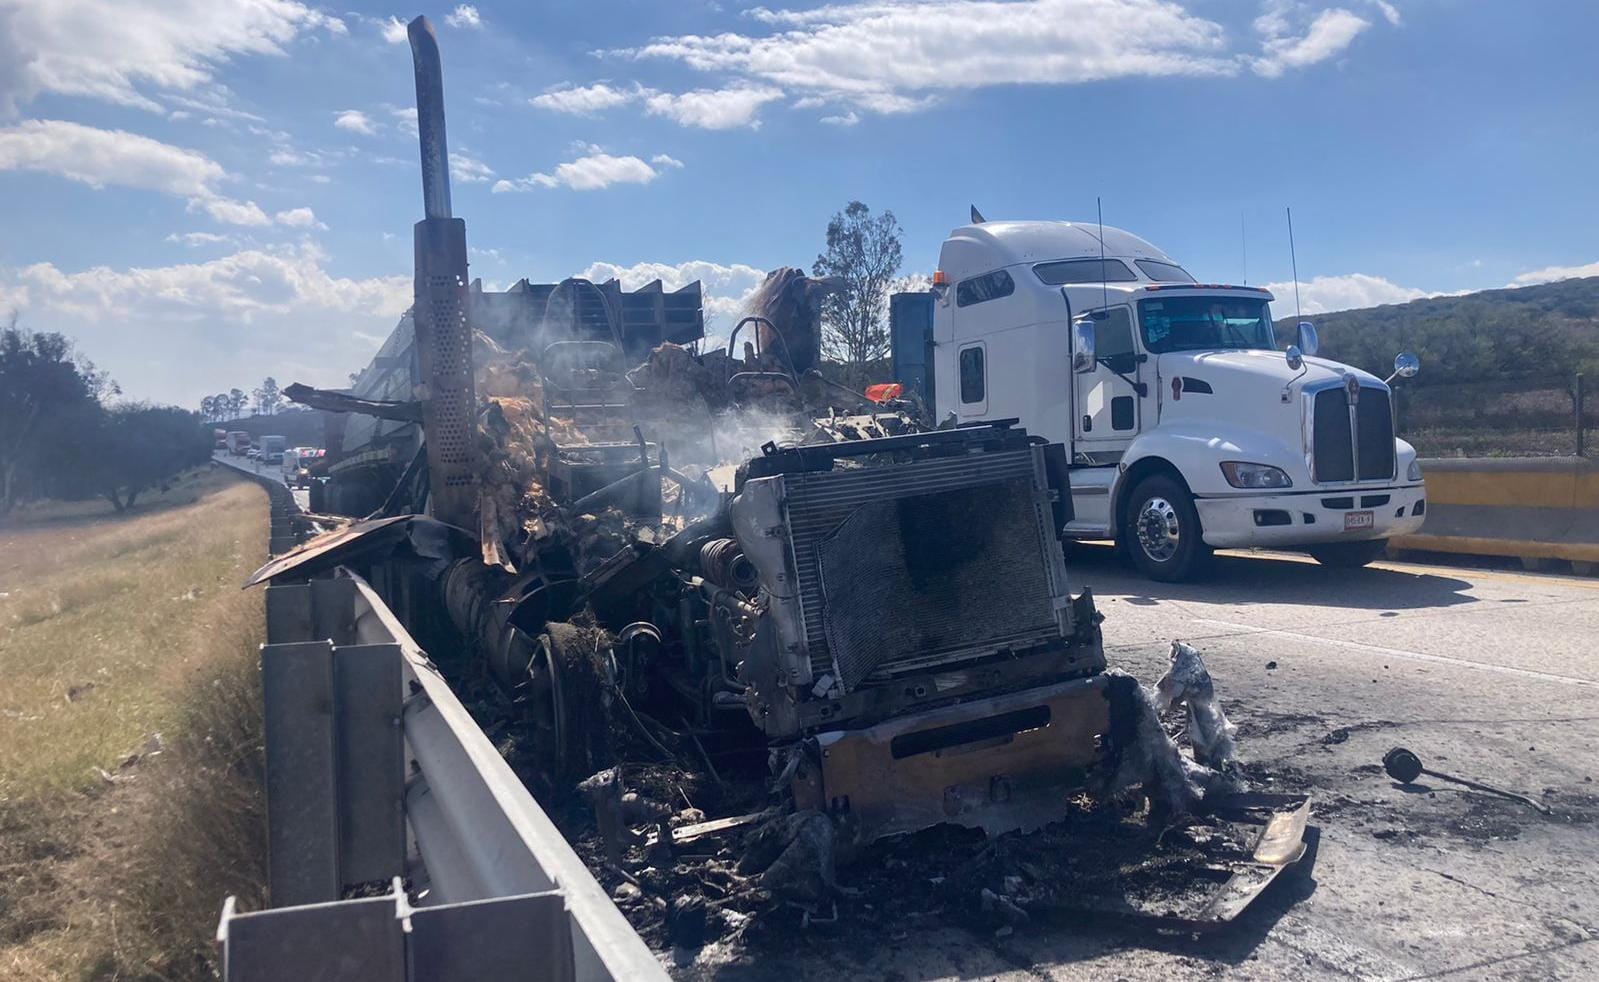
{"type": "Point", "coordinates": [1158, 530]}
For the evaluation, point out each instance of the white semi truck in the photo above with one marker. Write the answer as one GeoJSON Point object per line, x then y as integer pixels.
{"type": "Point", "coordinates": [1188, 428]}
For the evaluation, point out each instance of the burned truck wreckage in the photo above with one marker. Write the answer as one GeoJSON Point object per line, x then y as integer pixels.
{"type": "Point", "coordinates": [743, 631]}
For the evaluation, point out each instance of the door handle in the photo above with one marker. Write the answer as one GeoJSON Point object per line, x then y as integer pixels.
{"type": "Point", "coordinates": [1088, 424]}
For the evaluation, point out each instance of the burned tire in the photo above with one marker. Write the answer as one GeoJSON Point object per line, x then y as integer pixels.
{"type": "Point", "coordinates": [1348, 555]}
{"type": "Point", "coordinates": [564, 702]}
{"type": "Point", "coordinates": [1161, 532]}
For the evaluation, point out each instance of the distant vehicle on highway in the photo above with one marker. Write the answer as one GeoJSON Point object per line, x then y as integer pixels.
{"type": "Point", "coordinates": [220, 441]}
{"type": "Point", "coordinates": [297, 465]}
{"type": "Point", "coordinates": [272, 448]}
{"type": "Point", "coordinates": [1188, 428]}
{"type": "Point", "coordinates": [238, 443]}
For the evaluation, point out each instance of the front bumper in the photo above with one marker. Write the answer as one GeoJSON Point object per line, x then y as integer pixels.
{"type": "Point", "coordinates": [1308, 518]}
{"type": "Point", "coordinates": [1001, 763]}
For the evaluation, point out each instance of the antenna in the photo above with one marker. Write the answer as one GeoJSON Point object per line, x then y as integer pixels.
{"type": "Point", "coordinates": [1294, 259]}
{"type": "Point", "coordinates": [1104, 288]}
{"type": "Point", "coordinates": [1243, 239]}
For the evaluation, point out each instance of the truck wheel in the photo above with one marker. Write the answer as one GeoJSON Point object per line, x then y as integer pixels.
{"type": "Point", "coordinates": [1348, 555]}
{"type": "Point", "coordinates": [1161, 530]}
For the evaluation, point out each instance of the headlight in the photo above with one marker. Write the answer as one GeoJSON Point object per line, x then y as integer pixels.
{"type": "Point", "coordinates": [1415, 470]}
{"type": "Point", "coordinates": [1243, 475]}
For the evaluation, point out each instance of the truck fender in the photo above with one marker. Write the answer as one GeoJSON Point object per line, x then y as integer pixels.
{"type": "Point", "coordinates": [1192, 452]}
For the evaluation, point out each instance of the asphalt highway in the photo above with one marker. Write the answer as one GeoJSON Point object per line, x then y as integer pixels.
{"type": "Point", "coordinates": [1487, 674]}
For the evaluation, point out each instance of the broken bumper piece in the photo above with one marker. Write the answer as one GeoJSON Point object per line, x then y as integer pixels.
{"type": "Point", "coordinates": [999, 764]}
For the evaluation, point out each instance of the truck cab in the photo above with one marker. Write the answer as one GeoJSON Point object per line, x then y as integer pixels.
{"type": "Point", "coordinates": [1189, 428]}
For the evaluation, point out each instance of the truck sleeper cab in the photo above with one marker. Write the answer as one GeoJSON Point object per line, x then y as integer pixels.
{"type": "Point", "coordinates": [1188, 428]}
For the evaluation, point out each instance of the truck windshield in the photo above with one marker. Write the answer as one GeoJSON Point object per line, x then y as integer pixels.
{"type": "Point", "coordinates": [1205, 323]}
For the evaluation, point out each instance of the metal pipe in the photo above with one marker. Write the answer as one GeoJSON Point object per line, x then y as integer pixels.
{"type": "Point", "coordinates": [430, 118]}
{"type": "Point", "coordinates": [718, 596]}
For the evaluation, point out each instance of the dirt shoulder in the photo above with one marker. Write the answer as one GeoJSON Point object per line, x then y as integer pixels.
{"type": "Point", "coordinates": [129, 730]}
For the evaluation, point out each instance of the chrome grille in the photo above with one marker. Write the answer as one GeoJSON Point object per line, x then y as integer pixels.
{"type": "Point", "coordinates": [1334, 443]}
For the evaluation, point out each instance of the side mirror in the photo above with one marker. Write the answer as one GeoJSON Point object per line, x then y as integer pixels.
{"type": "Point", "coordinates": [1406, 364]}
{"type": "Point", "coordinates": [1296, 358]}
{"type": "Point", "coordinates": [1309, 342]}
{"type": "Point", "coordinates": [1083, 345]}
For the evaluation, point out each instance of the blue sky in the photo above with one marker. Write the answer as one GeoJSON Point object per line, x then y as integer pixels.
{"type": "Point", "coordinates": [205, 192]}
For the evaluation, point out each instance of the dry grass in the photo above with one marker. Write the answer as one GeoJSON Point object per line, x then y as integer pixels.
{"type": "Point", "coordinates": [130, 785]}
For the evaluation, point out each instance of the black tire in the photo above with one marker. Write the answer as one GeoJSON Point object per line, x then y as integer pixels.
{"type": "Point", "coordinates": [1348, 555]}
{"type": "Point", "coordinates": [1160, 530]}
{"type": "Point", "coordinates": [564, 702]}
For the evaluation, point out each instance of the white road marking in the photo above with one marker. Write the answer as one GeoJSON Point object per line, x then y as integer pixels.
{"type": "Point", "coordinates": [1375, 649]}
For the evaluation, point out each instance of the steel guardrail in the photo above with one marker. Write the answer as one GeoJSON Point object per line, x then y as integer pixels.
{"type": "Point", "coordinates": [401, 845]}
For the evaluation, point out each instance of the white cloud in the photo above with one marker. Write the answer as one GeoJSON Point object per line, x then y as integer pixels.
{"type": "Point", "coordinates": [355, 121]}
{"type": "Point", "coordinates": [713, 109]}
{"type": "Point", "coordinates": [726, 288]}
{"type": "Point", "coordinates": [1329, 34]}
{"type": "Point", "coordinates": [197, 239]}
{"type": "Point", "coordinates": [289, 156]}
{"type": "Point", "coordinates": [464, 15]}
{"type": "Point", "coordinates": [943, 45]}
{"type": "Point", "coordinates": [135, 51]}
{"type": "Point", "coordinates": [101, 158]}
{"type": "Point", "coordinates": [298, 218]}
{"type": "Point", "coordinates": [848, 119]}
{"type": "Point", "coordinates": [405, 118]}
{"type": "Point", "coordinates": [834, 52]}
{"type": "Point", "coordinates": [1550, 274]}
{"type": "Point", "coordinates": [468, 169]}
{"type": "Point", "coordinates": [231, 212]}
{"type": "Point", "coordinates": [593, 171]}
{"type": "Point", "coordinates": [586, 100]}
{"type": "Point", "coordinates": [117, 158]}
{"type": "Point", "coordinates": [394, 31]}
{"type": "Point", "coordinates": [240, 285]}
{"type": "Point", "coordinates": [666, 160]}
{"type": "Point", "coordinates": [1390, 13]}
{"type": "Point", "coordinates": [1351, 291]}
{"type": "Point", "coordinates": [178, 332]}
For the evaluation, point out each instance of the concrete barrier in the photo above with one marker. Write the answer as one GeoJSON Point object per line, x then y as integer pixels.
{"type": "Point", "coordinates": [1532, 508]}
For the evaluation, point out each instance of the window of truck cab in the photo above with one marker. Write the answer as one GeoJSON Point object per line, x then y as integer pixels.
{"type": "Point", "coordinates": [1206, 323]}
{"type": "Point", "coordinates": [989, 286]}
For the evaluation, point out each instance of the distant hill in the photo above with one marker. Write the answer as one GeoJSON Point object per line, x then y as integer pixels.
{"type": "Point", "coordinates": [1497, 366]}
{"type": "Point", "coordinates": [1550, 330]}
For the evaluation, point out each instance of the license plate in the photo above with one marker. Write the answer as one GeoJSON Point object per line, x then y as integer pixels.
{"type": "Point", "coordinates": [1358, 520]}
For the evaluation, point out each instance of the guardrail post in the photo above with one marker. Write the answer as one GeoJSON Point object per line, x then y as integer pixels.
{"type": "Point", "coordinates": [370, 762]}
{"type": "Point", "coordinates": [350, 941]}
{"type": "Point", "coordinates": [289, 613]}
{"type": "Point", "coordinates": [301, 782]}
{"type": "Point", "coordinates": [532, 938]}
{"type": "Point", "coordinates": [332, 609]}
{"type": "Point", "coordinates": [1576, 398]}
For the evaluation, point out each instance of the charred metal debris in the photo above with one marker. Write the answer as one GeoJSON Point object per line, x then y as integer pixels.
{"type": "Point", "coordinates": [759, 653]}
{"type": "Point", "coordinates": [762, 645]}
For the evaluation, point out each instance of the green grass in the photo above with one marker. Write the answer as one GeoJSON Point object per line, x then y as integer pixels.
{"type": "Point", "coordinates": [129, 730]}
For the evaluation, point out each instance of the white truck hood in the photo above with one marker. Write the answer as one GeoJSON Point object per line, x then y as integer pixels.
{"type": "Point", "coordinates": [1245, 392]}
